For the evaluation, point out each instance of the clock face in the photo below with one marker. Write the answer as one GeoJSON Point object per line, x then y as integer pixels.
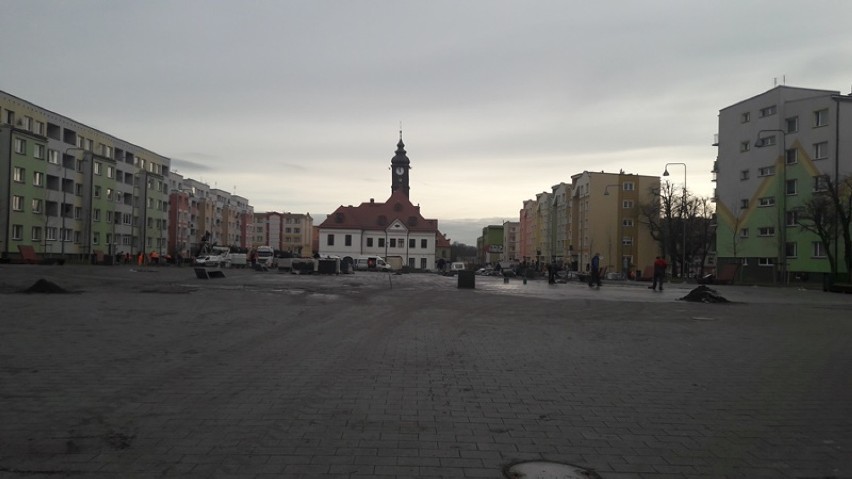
{"type": "Point", "coordinates": [400, 170]}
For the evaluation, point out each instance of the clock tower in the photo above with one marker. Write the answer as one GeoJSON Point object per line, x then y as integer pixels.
{"type": "Point", "coordinates": [400, 166]}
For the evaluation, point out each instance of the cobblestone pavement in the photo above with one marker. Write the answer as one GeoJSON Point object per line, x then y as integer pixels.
{"type": "Point", "coordinates": [154, 373]}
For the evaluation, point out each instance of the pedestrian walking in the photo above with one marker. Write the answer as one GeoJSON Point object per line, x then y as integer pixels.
{"type": "Point", "coordinates": [660, 266]}
{"type": "Point", "coordinates": [595, 277]}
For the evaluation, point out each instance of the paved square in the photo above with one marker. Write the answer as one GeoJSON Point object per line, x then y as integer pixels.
{"type": "Point", "coordinates": [155, 373]}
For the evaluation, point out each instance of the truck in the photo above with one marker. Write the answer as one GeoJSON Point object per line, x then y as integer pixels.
{"type": "Point", "coordinates": [265, 256]}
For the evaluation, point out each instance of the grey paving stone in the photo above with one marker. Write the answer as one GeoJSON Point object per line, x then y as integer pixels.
{"type": "Point", "coordinates": [339, 376]}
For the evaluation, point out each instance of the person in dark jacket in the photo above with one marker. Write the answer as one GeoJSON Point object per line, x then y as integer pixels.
{"type": "Point", "coordinates": [595, 277]}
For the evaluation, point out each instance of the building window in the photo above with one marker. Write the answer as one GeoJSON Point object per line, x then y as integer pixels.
{"type": "Point", "coordinates": [110, 172]}
{"type": "Point", "coordinates": [628, 186]}
{"type": "Point", "coordinates": [20, 146]}
{"type": "Point", "coordinates": [766, 231]}
{"type": "Point", "coordinates": [38, 178]}
{"type": "Point", "coordinates": [50, 233]}
{"type": "Point", "coordinates": [768, 111]}
{"type": "Point", "coordinates": [627, 241]}
{"type": "Point", "coordinates": [412, 243]}
{"type": "Point", "coordinates": [369, 242]}
{"type": "Point", "coordinates": [347, 240]}
{"type": "Point", "coordinates": [791, 249]}
{"type": "Point", "coordinates": [422, 263]}
{"type": "Point", "coordinates": [821, 150]}
{"type": "Point", "coordinates": [767, 141]}
{"type": "Point", "coordinates": [821, 182]}
{"type": "Point", "coordinates": [744, 233]}
{"type": "Point", "coordinates": [96, 238]}
{"type": "Point", "coordinates": [96, 215]}
{"type": "Point", "coordinates": [97, 191]}
{"type": "Point", "coordinates": [35, 234]}
{"type": "Point", "coordinates": [766, 171]}
{"type": "Point", "coordinates": [17, 232]}
{"type": "Point", "coordinates": [820, 118]}
{"type": "Point", "coordinates": [17, 203]}
{"type": "Point", "coordinates": [792, 187]}
{"type": "Point", "coordinates": [791, 156]}
{"type": "Point", "coordinates": [817, 249]}
{"type": "Point", "coordinates": [97, 168]}
{"type": "Point", "coordinates": [627, 204]}
{"type": "Point", "coordinates": [743, 175]}
{"type": "Point", "coordinates": [424, 243]}
{"type": "Point", "coordinates": [766, 261]}
{"type": "Point", "coordinates": [381, 242]}
{"type": "Point", "coordinates": [744, 203]}
{"type": "Point", "coordinates": [745, 117]}
{"type": "Point", "coordinates": [330, 240]}
{"type": "Point", "coordinates": [627, 222]}
{"type": "Point", "coordinates": [18, 174]}
{"type": "Point", "coordinates": [791, 218]}
{"type": "Point", "coordinates": [36, 206]}
{"type": "Point", "coordinates": [745, 146]}
{"type": "Point", "coordinates": [393, 242]}
{"type": "Point", "coordinates": [792, 124]}
{"type": "Point", "coordinates": [53, 157]}
{"type": "Point", "coordinates": [767, 201]}
{"type": "Point", "coordinates": [38, 151]}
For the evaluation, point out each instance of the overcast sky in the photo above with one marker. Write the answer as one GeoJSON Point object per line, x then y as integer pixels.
{"type": "Point", "coordinates": [296, 105]}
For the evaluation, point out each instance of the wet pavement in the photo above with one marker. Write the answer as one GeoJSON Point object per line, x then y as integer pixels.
{"type": "Point", "coordinates": [154, 373]}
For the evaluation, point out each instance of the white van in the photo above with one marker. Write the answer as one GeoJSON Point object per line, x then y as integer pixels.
{"type": "Point", "coordinates": [371, 263]}
{"type": "Point", "coordinates": [456, 267]}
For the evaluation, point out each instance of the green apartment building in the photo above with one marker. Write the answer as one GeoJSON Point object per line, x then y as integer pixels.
{"type": "Point", "coordinates": [775, 151]}
{"type": "Point", "coordinates": [74, 192]}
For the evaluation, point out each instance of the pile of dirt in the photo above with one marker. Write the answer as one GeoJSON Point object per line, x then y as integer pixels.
{"type": "Point", "coordinates": [703, 294]}
{"type": "Point", "coordinates": [45, 286]}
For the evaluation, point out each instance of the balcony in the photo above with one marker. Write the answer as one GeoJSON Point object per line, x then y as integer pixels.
{"type": "Point", "coordinates": [716, 139]}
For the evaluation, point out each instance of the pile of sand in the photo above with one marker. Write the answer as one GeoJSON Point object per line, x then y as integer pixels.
{"type": "Point", "coordinates": [703, 294]}
{"type": "Point", "coordinates": [45, 286]}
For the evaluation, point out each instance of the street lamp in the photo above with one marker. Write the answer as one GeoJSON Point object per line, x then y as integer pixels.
{"type": "Point", "coordinates": [782, 194]}
{"type": "Point", "coordinates": [682, 218]}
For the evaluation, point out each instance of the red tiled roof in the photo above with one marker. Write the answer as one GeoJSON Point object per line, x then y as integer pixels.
{"type": "Point", "coordinates": [378, 216]}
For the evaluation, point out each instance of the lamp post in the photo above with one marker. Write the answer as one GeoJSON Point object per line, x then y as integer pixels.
{"type": "Point", "coordinates": [682, 218]}
{"type": "Point", "coordinates": [64, 197]}
{"type": "Point", "coordinates": [782, 197]}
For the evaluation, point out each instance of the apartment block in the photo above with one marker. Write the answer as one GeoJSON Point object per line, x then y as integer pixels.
{"type": "Point", "coordinates": [777, 150]}
{"type": "Point", "coordinates": [490, 244]}
{"type": "Point", "coordinates": [511, 240]}
{"type": "Point", "coordinates": [75, 191]}
{"type": "Point", "coordinates": [286, 232]}
{"type": "Point", "coordinates": [560, 222]}
{"type": "Point", "coordinates": [606, 218]}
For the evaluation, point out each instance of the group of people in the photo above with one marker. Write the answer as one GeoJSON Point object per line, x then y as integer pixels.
{"type": "Point", "coordinates": [660, 266]}
{"type": "Point", "coordinates": [141, 258]}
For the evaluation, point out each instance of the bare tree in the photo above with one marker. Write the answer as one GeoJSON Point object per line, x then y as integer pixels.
{"type": "Point", "coordinates": [659, 215]}
{"type": "Point", "coordinates": [703, 229]}
{"type": "Point", "coordinates": [828, 214]}
{"type": "Point", "coordinates": [818, 216]}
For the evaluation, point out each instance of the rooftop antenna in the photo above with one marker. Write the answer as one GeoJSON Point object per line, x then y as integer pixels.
{"type": "Point", "coordinates": [400, 130]}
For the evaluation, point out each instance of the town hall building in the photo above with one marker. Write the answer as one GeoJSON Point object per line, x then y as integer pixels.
{"type": "Point", "coordinates": [394, 230]}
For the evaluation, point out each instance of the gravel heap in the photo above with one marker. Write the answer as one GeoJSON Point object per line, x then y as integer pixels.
{"type": "Point", "coordinates": [45, 286]}
{"type": "Point", "coordinates": [703, 294]}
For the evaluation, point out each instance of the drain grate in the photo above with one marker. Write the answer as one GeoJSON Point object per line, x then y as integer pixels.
{"type": "Point", "coordinates": [548, 470]}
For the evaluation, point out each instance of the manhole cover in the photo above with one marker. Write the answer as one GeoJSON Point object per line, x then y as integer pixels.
{"type": "Point", "coordinates": [548, 470]}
